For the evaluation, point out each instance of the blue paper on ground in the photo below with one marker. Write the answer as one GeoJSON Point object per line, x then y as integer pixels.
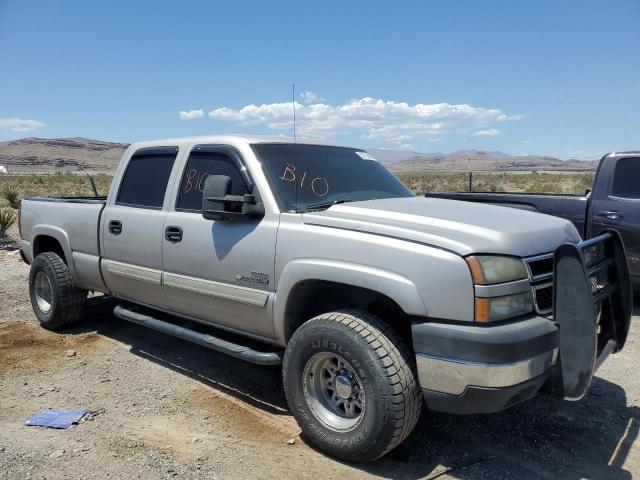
{"type": "Point", "coordinates": [60, 418]}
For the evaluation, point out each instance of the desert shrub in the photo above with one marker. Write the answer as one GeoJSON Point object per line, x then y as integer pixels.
{"type": "Point", "coordinates": [7, 219]}
{"type": "Point", "coordinates": [12, 195]}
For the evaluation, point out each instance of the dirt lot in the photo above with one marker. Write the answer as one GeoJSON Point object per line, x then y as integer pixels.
{"type": "Point", "coordinates": [164, 408]}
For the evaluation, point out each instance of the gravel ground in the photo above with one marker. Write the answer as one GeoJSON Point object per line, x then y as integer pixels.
{"type": "Point", "coordinates": [163, 408]}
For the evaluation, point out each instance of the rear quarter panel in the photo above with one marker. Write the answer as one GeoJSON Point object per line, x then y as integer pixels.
{"type": "Point", "coordinates": [75, 226]}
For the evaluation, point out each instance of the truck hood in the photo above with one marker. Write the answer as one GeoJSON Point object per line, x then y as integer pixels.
{"type": "Point", "coordinates": [461, 227]}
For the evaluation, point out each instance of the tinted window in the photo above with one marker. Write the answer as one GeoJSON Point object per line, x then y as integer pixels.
{"type": "Point", "coordinates": [626, 179]}
{"type": "Point", "coordinates": [322, 174]}
{"type": "Point", "coordinates": [145, 180]}
{"type": "Point", "coordinates": [199, 167]}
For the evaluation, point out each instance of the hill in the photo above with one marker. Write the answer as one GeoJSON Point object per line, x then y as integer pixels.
{"type": "Point", "coordinates": [45, 154]}
{"type": "Point", "coordinates": [481, 160]}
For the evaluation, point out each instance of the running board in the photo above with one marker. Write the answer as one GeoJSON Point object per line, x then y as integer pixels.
{"type": "Point", "coordinates": [219, 345]}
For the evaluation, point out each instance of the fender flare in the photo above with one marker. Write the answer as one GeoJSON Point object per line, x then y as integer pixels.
{"type": "Point", "coordinates": [397, 287]}
{"type": "Point", "coordinates": [61, 236]}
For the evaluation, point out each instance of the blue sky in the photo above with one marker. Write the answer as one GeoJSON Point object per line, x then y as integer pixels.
{"type": "Point", "coordinates": [544, 77]}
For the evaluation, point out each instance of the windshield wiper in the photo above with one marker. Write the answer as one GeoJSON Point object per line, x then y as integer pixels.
{"type": "Point", "coordinates": [320, 206]}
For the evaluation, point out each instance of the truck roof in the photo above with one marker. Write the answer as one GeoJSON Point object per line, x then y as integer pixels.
{"type": "Point", "coordinates": [234, 139]}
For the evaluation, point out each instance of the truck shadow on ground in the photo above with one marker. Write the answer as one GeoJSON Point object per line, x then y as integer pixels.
{"type": "Point", "coordinates": [542, 438]}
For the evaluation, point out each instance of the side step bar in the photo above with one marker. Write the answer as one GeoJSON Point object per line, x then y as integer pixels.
{"type": "Point", "coordinates": [239, 351]}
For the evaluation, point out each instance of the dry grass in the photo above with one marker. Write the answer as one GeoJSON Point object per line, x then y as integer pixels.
{"type": "Point", "coordinates": [68, 184]}
{"type": "Point", "coordinates": [54, 185]}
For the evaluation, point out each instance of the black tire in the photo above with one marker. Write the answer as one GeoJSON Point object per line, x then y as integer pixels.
{"type": "Point", "coordinates": [385, 372]}
{"type": "Point", "coordinates": [67, 301]}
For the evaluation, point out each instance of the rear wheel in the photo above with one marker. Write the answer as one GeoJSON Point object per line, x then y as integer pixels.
{"type": "Point", "coordinates": [350, 383]}
{"type": "Point", "coordinates": [55, 298]}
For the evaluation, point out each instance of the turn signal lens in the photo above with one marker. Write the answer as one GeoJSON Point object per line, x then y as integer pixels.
{"type": "Point", "coordinates": [483, 307]}
{"type": "Point", "coordinates": [500, 308]}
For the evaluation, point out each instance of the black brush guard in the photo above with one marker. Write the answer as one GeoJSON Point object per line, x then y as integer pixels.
{"type": "Point", "coordinates": [592, 302]}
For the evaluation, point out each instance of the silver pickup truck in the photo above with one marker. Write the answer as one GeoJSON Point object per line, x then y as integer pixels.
{"type": "Point", "coordinates": [316, 257]}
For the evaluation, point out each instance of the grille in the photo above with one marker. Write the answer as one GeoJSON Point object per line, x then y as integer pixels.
{"type": "Point", "coordinates": [594, 254]}
{"type": "Point", "coordinates": [543, 297]}
{"type": "Point", "coordinates": [595, 259]}
{"type": "Point", "coordinates": [540, 269]}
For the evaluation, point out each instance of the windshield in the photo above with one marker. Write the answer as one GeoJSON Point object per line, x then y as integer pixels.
{"type": "Point", "coordinates": [324, 175]}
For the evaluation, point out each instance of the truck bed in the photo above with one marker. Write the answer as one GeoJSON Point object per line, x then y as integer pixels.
{"type": "Point", "coordinates": [74, 223]}
{"type": "Point", "coordinates": [570, 207]}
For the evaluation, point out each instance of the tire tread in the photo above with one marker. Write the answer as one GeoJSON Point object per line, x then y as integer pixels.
{"type": "Point", "coordinates": [71, 299]}
{"type": "Point", "coordinates": [397, 362]}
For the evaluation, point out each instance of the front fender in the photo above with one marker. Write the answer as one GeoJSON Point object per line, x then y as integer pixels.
{"type": "Point", "coordinates": [398, 288]}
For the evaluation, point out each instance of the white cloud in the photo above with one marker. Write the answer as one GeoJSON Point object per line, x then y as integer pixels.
{"type": "Point", "coordinates": [20, 125]}
{"type": "Point", "coordinates": [580, 154]}
{"type": "Point", "coordinates": [309, 97]}
{"type": "Point", "coordinates": [492, 132]}
{"type": "Point", "coordinates": [191, 114]}
{"type": "Point", "coordinates": [385, 120]}
{"type": "Point", "coordinates": [527, 142]}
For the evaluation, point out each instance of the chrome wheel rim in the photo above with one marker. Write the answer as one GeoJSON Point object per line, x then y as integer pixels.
{"type": "Point", "coordinates": [43, 292]}
{"type": "Point", "coordinates": [334, 392]}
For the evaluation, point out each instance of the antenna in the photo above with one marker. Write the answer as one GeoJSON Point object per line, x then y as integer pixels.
{"type": "Point", "coordinates": [293, 104]}
{"type": "Point", "coordinates": [93, 184]}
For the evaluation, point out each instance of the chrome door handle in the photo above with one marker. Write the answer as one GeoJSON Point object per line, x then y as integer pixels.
{"type": "Point", "coordinates": [611, 214]}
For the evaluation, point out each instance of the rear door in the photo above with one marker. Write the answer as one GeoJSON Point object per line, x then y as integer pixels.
{"type": "Point", "coordinates": [132, 227]}
{"type": "Point", "coordinates": [216, 271]}
{"type": "Point", "coordinates": [616, 205]}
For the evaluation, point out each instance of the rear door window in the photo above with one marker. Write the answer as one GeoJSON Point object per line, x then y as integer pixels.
{"type": "Point", "coordinates": [145, 181]}
{"type": "Point", "coordinates": [199, 166]}
{"type": "Point", "coordinates": [626, 178]}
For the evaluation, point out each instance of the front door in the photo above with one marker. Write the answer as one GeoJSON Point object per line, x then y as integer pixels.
{"type": "Point", "coordinates": [216, 271]}
{"type": "Point", "coordinates": [618, 208]}
{"type": "Point", "coordinates": [132, 227]}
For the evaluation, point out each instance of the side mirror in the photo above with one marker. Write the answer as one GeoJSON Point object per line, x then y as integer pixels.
{"type": "Point", "coordinates": [219, 204]}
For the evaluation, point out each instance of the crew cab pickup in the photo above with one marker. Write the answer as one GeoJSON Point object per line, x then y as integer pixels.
{"type": "Point", "coordinates": [612, 204]}
{"type": "Point", "coordinates": [315, 257]}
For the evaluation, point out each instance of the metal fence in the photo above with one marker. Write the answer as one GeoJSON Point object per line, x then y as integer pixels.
{"type": "Point", "coordinates": [525, 181]}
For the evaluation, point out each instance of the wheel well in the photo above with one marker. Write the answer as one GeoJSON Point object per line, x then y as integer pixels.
{"type": "Point", "coordinates": [45, 243]}
{"type": "Point", "coordinates": [314, 297]}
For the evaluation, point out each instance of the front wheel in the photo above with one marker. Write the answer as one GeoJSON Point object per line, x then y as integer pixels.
{"type": "Point", "coordinates": [350, 382]}
{"type": "Point", "coordinates": [55, 298]}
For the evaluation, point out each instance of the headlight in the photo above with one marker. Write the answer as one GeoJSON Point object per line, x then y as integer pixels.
{"type": "Point", "coordinates": [488, 269]}
{"type": "Point", "coordinates": [492, 309]}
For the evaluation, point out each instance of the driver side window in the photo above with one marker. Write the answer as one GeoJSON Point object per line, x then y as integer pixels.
{"type": "Point", "coordinates": [199, 166]}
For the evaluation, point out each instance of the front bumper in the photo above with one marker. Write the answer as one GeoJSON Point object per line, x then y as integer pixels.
{"type": "Point", "coordinates": [486, 368]}
{"type": "Point", "coordinates": [471, 369]}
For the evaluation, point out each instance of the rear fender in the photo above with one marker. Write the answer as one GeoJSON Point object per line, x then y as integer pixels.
{"type": "Point", "coordinates": [58, 234]}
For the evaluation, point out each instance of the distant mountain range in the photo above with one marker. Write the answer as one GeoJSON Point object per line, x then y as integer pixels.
{"type": "Point", "coordinates": [475, 160]}
{"type": "Point", "coordinates": [45, 154]}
